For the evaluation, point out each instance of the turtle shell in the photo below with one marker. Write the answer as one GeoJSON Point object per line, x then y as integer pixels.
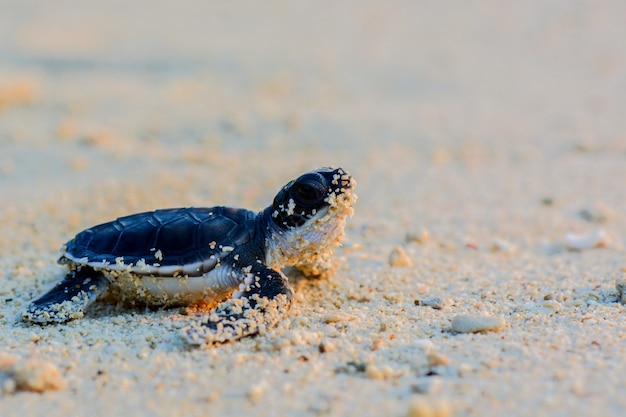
{"type": "Point", "coordinates": [167, 242]}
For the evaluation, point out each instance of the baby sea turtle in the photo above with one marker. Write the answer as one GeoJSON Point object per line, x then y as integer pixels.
{"type": "Point", "coordinates": [201, 255]}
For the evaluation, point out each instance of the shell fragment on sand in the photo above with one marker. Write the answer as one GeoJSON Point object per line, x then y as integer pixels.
{"type": "Point", "coordinates": [595, 239]}
{"type": "Point", "coordinates": [398, 258]}
{"type": "Point", "coordinates": [477, 324]}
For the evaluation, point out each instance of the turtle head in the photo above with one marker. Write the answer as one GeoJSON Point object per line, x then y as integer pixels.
{"type": "Point", "coordinates": [310, 196]}
{"type": "Point", "coordinates": [308, 217]}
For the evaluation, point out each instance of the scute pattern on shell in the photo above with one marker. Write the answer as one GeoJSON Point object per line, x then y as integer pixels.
{"type": "Point", "coordinates": [161, 238]}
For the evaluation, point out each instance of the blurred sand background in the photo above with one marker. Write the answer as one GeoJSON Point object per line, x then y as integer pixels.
{"type": "Point", "coordinates": [480, 133]}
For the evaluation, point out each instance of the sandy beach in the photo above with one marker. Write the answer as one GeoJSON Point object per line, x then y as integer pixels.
{"type": "Point", "coordinates": [481, 275]}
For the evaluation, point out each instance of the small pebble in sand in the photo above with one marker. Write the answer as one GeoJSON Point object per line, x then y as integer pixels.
{"type": "Point", "coordinates": [338, 317]}
{"type": "Point", "coordinates": [471, 244]}
{"type": "Point", "coordinates": [257, 391]}
{"type": "Point", "coordinates": [595, 239]}
{"type": "Point", "coordinates": [436, 303]}
{"type": "Point", "coordinates": [425, 345]}
{"type": "Point", "coordinates": [428, 407]}
{"type": "Point", "coordinates": [620, 286]}
{"type": "Point", "coordinates": [327, 346]}
{"type": "Point", "coordinates": [503, 246]}
{"type": "Point", "coordinates": [551, 305]}
{"type": "Point", "coordinates": [381, 373]}
{"type": "Point", "coordinates": [598, 213]}
{"type": "Point", "coordinates": [18, 92]}
{"type": "Point", "coordinates": [427, 385]}
{"type": "Point", "coordinates": [377, 344]}
{"type": "Point", "coordinates": [399, 258]}
{"type": "Point", "coordinates": [28, 374]}
{"type": "Point", "coordinates": [475, 324]}
{"type": "Point", "coordinates": [418, 237]}
{"type": "Point", "coordinates": [436, 359]}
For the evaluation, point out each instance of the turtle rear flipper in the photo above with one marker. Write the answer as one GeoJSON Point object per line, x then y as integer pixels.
{"type": "Point", "coordinates": [262, 301]}
{"type": "Point", "coordinates": [69, 299]}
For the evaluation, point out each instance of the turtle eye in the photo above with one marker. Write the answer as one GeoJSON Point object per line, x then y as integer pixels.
{"type": "Point", "coordinates": [306, 193]}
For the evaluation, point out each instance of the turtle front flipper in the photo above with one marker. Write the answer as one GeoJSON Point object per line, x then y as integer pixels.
{"type": "Point", "coordinates": [260, 303]}
{"type": "Point", "coordinates": [69, 299]}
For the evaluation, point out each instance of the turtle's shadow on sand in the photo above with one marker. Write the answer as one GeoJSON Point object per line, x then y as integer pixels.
{"type": "Point", "coordinates": [299, 281]}
{"type": "Point", "coordinates": [296, 277]}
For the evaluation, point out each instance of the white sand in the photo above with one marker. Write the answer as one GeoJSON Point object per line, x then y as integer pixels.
{"type": "Point", "coordinates": [497, 127]}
